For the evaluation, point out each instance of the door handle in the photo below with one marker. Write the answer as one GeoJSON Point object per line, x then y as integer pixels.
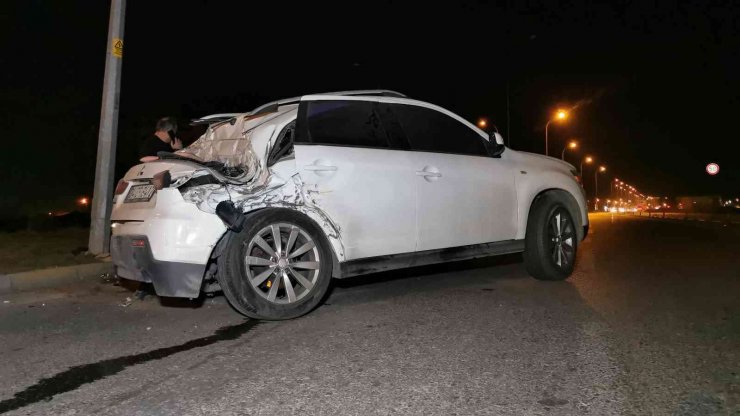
{"type": "Point", "coordinates": [429, 173]}
{"type": "Point", "coordinates": [320, 168]}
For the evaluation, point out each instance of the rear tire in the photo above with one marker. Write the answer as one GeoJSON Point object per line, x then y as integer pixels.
{"type": "Point", "coordinates": [264, 276]}
{"type": "Point", "coordinates": [551, 241]}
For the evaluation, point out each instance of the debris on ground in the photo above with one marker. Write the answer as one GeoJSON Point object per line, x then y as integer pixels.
{"type": "Point", "coordinates": [127, 302]}
{"type": "Point", "coordinates": [6, 301]}
{"type": "Point", "coordinates": [111, 278]}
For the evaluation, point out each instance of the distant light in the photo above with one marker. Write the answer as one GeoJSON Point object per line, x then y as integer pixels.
{"type": "Point", "coordinates": [602, 168]}
{"type": "Point", "coordinates": [573, 144]}
{"type": "Point", "coordinates": [50, 214]}
{"type": "Point", "coordinates": [589, 159]}
{"type": "Point", "coordinates": [712, 169]}
{"type": "Point", "coordinates": [482, 123]}
{"type": "Point", "coordinates": [83, 201]}
{"type": "Point", "coordinates": [561, 115]}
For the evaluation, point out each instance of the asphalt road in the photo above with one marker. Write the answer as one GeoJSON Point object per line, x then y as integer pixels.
{"type": "Point", "coordinates": [649, 324]}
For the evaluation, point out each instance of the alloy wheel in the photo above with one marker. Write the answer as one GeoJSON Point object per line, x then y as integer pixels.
{"type": "Point", "coordinates": [561, 238]}
{"type": "Point", "coordinates": [282, 263]}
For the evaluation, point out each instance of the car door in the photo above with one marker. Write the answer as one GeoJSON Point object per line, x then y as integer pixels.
{"type": "Point", "coordinates": [363, 181]}
{"type": "Point", "coordinates": [464, 196]}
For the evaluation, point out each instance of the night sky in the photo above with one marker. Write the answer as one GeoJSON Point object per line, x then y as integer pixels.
{"type": "Point", "coordinates": [655, 87]}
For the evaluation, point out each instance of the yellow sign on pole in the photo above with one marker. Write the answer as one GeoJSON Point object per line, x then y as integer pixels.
{"type": "Point", "coordinates": [117, 49]}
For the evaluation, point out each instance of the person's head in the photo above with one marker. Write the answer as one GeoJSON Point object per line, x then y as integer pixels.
{"type": "Point", "coordinates": [165, 124]}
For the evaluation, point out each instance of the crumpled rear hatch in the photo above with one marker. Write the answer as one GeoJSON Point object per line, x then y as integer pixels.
{"type": "Point", "coordinates": [229, 143]}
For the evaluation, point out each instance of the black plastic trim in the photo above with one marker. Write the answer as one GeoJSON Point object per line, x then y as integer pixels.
{"type": "Point", "coordinates": [422, 258]}
{"type": "Point", "coordinates": [180, 280]}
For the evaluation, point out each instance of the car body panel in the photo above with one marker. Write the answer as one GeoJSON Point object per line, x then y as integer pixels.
{"type": "Point", "coordinates": [536, 174]}
{"type": "Point", "coordinates": [447, 215]}
{"type": "Point", "coordinates": [177, 230]}
{"type": "Point", "coordinates": [369, 193]}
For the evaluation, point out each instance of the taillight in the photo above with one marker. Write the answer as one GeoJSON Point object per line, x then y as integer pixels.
{"type": "Point", "coordinates": [121, 187]}
{"type": "Point", "coordinates": [162, 180]}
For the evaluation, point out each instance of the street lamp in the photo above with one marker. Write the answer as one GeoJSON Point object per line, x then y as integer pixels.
{"type": "Point", "coordinates": [560, 115]}
{"type": "Point", "coordinates": [601, 169]}
{"type": "Point", "coordinates": [571, 145]}
{"type": "Point", "coordinates": [482, 123]}
{"type": "Point", "coordinates": [587, 159]}
{"type": "Point", "coordinates": [611, 186]}
{"type": "Point", "coordinates": [83, 203]}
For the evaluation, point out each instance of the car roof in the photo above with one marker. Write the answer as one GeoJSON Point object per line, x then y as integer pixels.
{"type": "Point", "coordinates": [397, 100]}
{"type": "Point", "coordinates": [273, 105]}
{"type": "Point", "coordinates": [379, 95]}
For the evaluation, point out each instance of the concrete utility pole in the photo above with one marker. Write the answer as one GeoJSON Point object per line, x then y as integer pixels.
{"type": "Point", "coordinates": [108, 134]}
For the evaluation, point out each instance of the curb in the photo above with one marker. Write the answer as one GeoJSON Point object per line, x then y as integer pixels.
{"type": "Point", "coordinates": [53, 277]}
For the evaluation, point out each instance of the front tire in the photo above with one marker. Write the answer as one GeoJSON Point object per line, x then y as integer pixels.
{"type": "Point", "coordinates": [277, 267]}
{"type": "Point", "coordinates": [551, 242]}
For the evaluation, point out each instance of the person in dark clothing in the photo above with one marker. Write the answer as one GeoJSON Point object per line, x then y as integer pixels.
{"type": "Point", "coordinates": [163, 140]}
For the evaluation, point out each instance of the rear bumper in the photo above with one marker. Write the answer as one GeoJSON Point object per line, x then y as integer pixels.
{"type": "Point", "coordinates": [170, 278]}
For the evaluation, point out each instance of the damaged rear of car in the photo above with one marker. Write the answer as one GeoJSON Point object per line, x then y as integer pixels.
{"type": "Point", "coordinates": [165, 225]}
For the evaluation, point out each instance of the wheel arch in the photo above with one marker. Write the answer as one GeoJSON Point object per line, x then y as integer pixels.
{"type": "Point", "coordinates": [571, 204]}
{"type": "Point", "coordinates": [223, 242]}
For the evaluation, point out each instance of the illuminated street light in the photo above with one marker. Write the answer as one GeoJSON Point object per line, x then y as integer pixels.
{"type": "Point", "coordinates": [587, 159]}
{"type": "Point", "coordinates": [83, 202]}
{"type": "Point", "coordinates": [601, 169]}
{"type": "Point", "coordinates": [571, 145]}
{"type": "Point", "coordinates": [560, 115]}
{"type": "Point", "coordinates": [482, 123]}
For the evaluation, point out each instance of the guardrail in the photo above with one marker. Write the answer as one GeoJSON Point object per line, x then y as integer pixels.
{"type": "Point", "coordinates": [721, 217]}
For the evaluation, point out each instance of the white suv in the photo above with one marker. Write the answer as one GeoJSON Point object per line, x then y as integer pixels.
{"type": "Point", "coordinates": [269, 205]}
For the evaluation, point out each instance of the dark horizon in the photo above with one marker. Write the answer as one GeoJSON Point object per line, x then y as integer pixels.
{"type": "Point", "coordinates": [655, 87]}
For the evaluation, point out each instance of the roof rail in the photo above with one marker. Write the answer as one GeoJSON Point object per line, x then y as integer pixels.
{"type": "Point", "coordinates": [295, 100]}
{"type": "Point", "coordinates": [382, 93]}
{"type": "Point", "coordinates": [272, 106]}
{"type": "Point", "coordinates": [213, 118]}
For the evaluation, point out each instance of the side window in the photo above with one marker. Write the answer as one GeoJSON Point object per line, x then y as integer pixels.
{"type": "Point", "coordinates": [346, 123]}
{"type": "Point", "coordinates": [283, 144]}
{"type": "Point", "coordinates": [429, 130]}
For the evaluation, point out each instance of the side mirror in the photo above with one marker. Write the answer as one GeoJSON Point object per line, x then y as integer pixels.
{"type": "Point", "coordinates": [496, 144]}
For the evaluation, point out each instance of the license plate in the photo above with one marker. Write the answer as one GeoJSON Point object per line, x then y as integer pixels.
{"type": "Point", "coordinates": [140, 193]}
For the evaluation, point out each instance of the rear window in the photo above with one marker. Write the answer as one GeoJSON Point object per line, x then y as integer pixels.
{"type": "Point", "coordinates": [345, 123]}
